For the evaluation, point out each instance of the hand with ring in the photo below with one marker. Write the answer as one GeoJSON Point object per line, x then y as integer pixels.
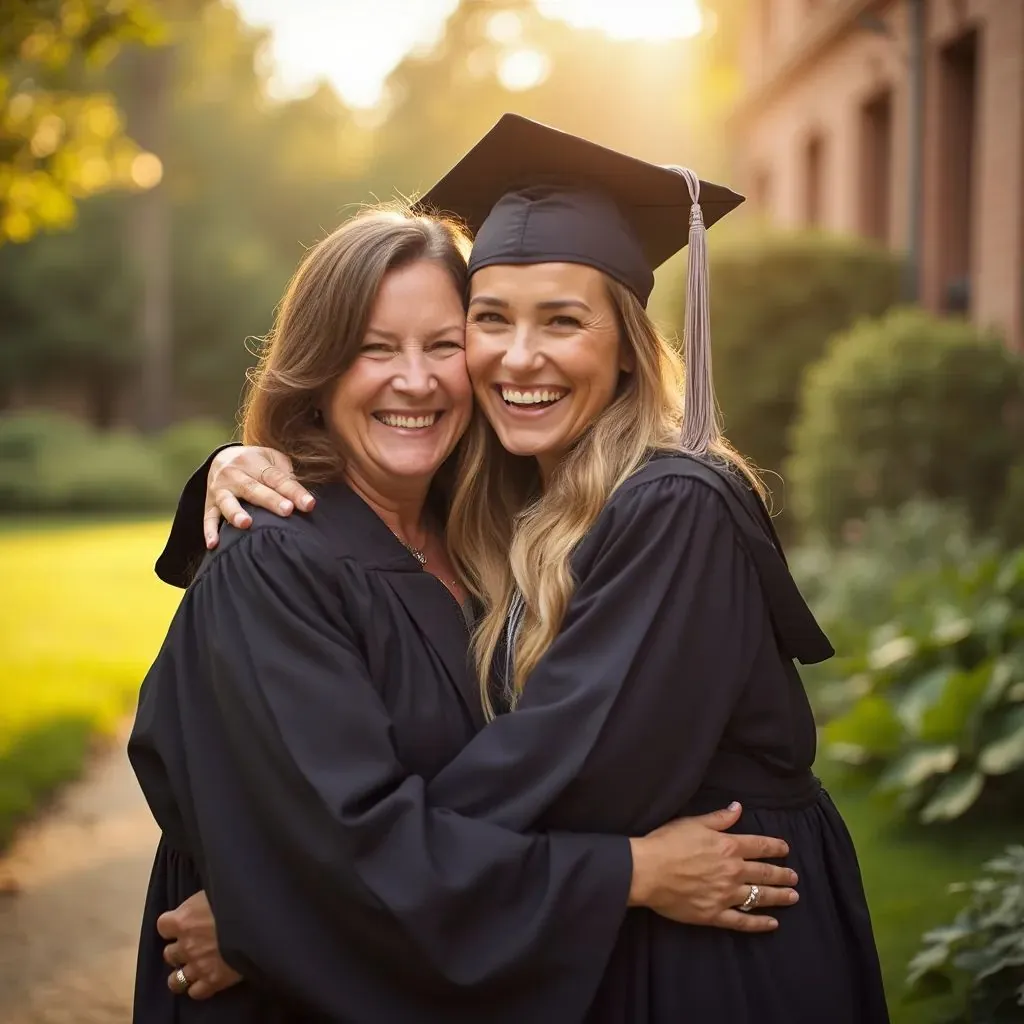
{"type": "Point", "coordinates": [199, 970]}
{"type": "Point", "coordinates": [694, 871]}
{"type": "Point", "coordinates": [261, 476]}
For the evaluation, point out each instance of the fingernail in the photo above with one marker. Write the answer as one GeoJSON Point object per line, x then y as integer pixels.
{"type": "Point", "coordinates": [241, 519]}
{"type": "Point", "coordinates": [793, 878]}
{"type": "Point", "coordinates": [734, 805]}
{"type": "Point", "coordinates": [307, 502]}
{"type": "Point", "coordinates": [286, 507]}
{"type": "Point", "coordinates": [793, 897]}
{"type": "Point", "coordinates": [772, 923]}
{"type": "Point", "coordinates": [785, 849]}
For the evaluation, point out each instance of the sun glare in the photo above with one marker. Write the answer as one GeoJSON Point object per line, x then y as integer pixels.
{"type": "Point", "coordinates": [651, 20]}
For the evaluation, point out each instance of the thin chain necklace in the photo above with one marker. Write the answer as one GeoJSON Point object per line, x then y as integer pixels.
{"type": "Point", "coordinates": [421, 556]}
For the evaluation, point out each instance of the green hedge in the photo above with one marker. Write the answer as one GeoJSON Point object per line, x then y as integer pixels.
{"type": "Point", "coordinates": [775, 303]}
{"type": "Point", "coordinates": [51, 463]}
{"type": "Point", "coordinates": [908, 407]}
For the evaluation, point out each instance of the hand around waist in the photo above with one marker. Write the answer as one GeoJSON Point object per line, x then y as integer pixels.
{"type": "Point", "coordinates": [199, 971]}
{"type": "Point", "coordinates": [693, 871]}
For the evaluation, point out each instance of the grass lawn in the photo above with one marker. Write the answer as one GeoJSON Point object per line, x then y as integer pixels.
{"type": "Point", "coordinates": [82, 618]}
{"type": "Point", "coordinates": [907, 871]}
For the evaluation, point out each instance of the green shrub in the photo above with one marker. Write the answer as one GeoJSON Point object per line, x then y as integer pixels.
{"type": "Point", "coordinates": [1009, 524]}
{"type": "Point", "coordinates": [985, 942]}
{"type": "Point", "coordinates": [27, 442]}
{"type": "Point", "coordinates": [186, 446]}
{"type": "Point", "coordinates": [902, 408]}
{"type": "Point", "coordinates": [939, 708]}
{"type": "Point", "coordinates": [775, 302]}
{"type": "Point", "coordinates": [55, 464]}
{"type": "Point", "coordinates": [893, 563]}
{"type": "Point", "coordinates": [122, 472]}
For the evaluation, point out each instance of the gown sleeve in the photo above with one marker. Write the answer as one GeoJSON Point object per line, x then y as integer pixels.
{"type": "Point", "coordinates": [185, 546]}
{"type": "Point", "coordinates": [630, 702]}
{"type": "Point", "coordinates": [310, 838]}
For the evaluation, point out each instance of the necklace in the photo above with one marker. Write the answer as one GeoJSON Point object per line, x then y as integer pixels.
{"type": "Point", "coordinates": [421, 556]}
{"type": "Point", "coordinates": [416, 553]}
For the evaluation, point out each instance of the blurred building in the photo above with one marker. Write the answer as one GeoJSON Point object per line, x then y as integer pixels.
{"type": "Point", "coordinates": [900, 120]}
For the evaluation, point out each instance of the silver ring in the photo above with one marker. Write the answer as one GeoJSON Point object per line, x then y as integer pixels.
{"type": "Point", "coordinates": [181, 981]}
{"type": "Point", "coordinates": [752, 900]}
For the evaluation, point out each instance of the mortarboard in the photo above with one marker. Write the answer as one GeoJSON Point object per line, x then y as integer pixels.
{"type": "Point", "coordinates": [533, 194]}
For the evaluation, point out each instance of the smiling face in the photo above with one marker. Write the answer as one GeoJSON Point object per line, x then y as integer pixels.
{"type": "Point", "coordinates": [544, 352]}
{"type": "Point", "coordinates": [402, 406]}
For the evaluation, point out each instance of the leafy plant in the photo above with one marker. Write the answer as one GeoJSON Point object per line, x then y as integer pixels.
{"type": "Point", "coordinates": [891, 567]}
{"type": "Point", "coordinates": [903, 408]}
{"type": "Point", "coordinates": [939, 706]}
{"type": "Point", "coordinates": [985, 941]}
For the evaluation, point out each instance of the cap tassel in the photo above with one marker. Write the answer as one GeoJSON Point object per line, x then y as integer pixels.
{"type": "Point", "coordinates": [700, 410]}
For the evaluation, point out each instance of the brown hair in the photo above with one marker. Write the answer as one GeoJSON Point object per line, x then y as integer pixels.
{"type": "Point", "coordinates": [320, 324]}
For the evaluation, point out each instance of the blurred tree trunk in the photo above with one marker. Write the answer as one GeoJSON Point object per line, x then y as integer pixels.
{"type": "Point", "coordinates": [148, 234]}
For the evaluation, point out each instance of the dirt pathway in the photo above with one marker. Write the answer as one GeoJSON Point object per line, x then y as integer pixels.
{"type": "Point", "coordinates": [69, 928]}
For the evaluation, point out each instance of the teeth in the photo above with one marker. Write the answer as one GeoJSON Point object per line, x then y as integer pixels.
{"type": "Point", "coordinates": [530, 397]}
{"type": "Point", "coordinates": [409, 422]}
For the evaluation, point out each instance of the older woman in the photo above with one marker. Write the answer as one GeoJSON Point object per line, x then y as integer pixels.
{"type": "Point", "coordinates": [638, 614]}
{"type": "Point", "coordinates": [314, 677]}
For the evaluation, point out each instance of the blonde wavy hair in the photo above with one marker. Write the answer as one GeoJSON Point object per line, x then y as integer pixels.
{"type": "Point", "coordinates": [514, 540]}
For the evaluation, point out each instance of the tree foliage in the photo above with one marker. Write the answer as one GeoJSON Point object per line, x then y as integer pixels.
{"type": "Point", "coordinates": [249, 182]}
{"type": "Point", "coordinates": [61, 133]}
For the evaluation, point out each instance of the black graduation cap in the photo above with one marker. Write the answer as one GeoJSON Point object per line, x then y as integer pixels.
{"type": "Point", "coordinates": [533, 194]}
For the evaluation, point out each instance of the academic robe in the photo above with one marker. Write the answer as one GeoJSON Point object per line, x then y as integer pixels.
{"type": "Point", "coordinates": [670, 690]}
{"type": "Point", "coordinates": [311, 681]}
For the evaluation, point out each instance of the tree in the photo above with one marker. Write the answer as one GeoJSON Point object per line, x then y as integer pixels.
{"type": "Point", "coordinates": [61, 135]}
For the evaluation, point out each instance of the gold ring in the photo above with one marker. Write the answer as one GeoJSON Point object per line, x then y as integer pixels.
{"type": "Point", "coordinates": [752, 900]}
{"type": "Point", "coordinates": [181, 981]}
{"type": "Point", "coordinates": [262, 471]}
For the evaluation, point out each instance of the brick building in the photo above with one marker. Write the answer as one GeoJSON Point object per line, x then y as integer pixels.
{"type": "Point", "coordinates": [836, 93]}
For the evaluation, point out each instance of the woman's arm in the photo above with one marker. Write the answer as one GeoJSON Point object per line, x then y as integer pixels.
{"type": "Point", "coordinates": [211, 495]}
{"type": "Point", "coordinates": [623, 714]}
{"type": "Point", "coordinates": [315, 847]}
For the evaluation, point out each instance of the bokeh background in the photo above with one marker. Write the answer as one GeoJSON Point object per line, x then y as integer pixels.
{"type": "Point", "coordinates": [165, 163]}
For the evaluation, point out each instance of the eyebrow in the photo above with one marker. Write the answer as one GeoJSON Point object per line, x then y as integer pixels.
{"type": "Point", "coordinates": [391, 336]}
{"type": "Point", "coordinates": [548, 304]}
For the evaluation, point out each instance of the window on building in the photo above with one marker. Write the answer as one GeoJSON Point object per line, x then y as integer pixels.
{"type": "Point", "coordinates": [875, 181]}
{"type": "Point", "coordinates": [958, 96]}
{"type": "Point", "coordinates": [813, 183]}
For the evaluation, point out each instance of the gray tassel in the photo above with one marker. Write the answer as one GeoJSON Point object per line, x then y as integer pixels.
{"type": "Point", "coordinates": [701, 424]}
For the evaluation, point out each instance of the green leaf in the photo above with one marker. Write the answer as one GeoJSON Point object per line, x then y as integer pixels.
{"type": "Point", "coordinates": [954, 796]}
{"type": "Point", "coordinates": [1005, 753]}
{"type": "Point", "coordinates": [918, 765]}
{"type": "Point", "coordinates": [922, 695]}
{"type": "Point", "coordinates": [871, 724]}
{"type": "Point", "coordinates": [892, 652]}
{"type": "Point", "coordinates": [927, 984]}
{"type": "Point", "coordinates": [955, 711]}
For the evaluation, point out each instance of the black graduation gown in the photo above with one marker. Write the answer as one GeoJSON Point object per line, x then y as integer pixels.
{"type": "Point", "coordinates": [671, 690]}
{"type": "Point", "coordinates": [312, 679]}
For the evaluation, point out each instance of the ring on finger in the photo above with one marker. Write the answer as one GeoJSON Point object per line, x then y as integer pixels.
{"type": "Point", "coordinates": [752, 900]}
{"type": "Point", "coordinates": [181, 981]}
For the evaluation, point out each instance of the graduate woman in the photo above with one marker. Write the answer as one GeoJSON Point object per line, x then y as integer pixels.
{"type": "Point", "coordinates": [639, 624]}
{"type": "Point", "coordinates": [315, 678]}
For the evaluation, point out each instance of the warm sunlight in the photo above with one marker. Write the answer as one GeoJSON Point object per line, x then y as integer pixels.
{"type": "Point", "coordinates": [629, 19]}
